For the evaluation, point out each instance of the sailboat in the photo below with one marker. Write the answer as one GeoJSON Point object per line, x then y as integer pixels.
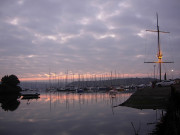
{"type": "Point", "coordinates": [159, 53]}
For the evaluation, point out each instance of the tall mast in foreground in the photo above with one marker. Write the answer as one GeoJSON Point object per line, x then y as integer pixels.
{"type": "Point", "coordinates": [159, 53]}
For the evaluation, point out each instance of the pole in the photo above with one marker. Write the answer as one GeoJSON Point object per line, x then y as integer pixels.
{"type": "Point", "coordinates": [154, 71]}
{"type": "Point", "coordinates": [160, 71]}
{"type": "Point", "coordinates": [159, 55]}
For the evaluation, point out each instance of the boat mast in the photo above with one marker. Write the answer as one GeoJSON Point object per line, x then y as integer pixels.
{"type": "Point", "coordinates": [159, 53]}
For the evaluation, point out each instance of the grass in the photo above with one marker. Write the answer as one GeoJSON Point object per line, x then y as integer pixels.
{"type": "Point", "coordinates": [149, 98]}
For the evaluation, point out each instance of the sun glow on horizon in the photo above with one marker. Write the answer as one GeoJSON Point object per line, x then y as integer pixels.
{"type": "Point", "coordinates": [83, 77]}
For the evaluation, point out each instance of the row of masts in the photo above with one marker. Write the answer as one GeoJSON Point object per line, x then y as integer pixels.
{"type": "Point", "coordinates": [93, 79]}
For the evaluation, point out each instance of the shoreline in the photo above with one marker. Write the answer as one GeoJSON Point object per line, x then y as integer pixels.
{"type": "Point", "coordinates": [164, 98]}
{"type": "Point", "coordinates": [151, 98]}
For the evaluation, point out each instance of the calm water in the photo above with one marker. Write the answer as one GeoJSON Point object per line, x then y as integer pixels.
{"type": "Point", "coordinates": [74, 114]}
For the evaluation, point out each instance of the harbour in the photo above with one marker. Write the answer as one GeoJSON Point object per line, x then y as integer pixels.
{"type": "Point", "coordinates": [73, 114]}
{"type": "Point", "coordinates": [94, 67]}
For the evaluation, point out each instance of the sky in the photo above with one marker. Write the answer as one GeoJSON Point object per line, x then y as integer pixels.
{"type": "Point", "coordinates": [38, 37]}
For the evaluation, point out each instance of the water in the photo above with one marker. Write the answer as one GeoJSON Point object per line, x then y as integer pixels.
{"type": "Point", "coordinates": [75, 114]}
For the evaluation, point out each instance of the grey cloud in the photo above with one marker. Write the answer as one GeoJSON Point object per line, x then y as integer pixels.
{"type": "Point", "coordinates": [87, 36]}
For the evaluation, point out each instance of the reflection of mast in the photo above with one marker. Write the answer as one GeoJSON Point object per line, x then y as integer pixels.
{"type": "Point", "coordinates": [112, 104]}
{"type": "Point", "coordinates": [50, 101]}
{"type": "Point", "coordinates": [159, 54]}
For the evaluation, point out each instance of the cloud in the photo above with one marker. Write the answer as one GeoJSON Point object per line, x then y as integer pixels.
{"type": "Point", "coordinates": [83, 36]}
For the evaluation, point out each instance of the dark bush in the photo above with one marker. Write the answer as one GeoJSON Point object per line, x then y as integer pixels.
{"type": "Point", "coordinates": [9, 84]}
{"type": "Point", "coordinates": [11, 80]}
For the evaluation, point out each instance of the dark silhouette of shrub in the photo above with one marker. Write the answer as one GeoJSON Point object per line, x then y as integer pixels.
{"type": "Point", "coordinates": [9, 84]}
{"type": "Point", "coordinates": [11, 80]}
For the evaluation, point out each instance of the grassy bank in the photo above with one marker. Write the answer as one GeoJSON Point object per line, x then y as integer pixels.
{"type": "Point", "coordinates": [149, 98]}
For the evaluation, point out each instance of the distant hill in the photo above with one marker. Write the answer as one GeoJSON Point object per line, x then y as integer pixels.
{"type": "Point", "coordinates": [86, 83]}
{"type": "Point", "coordinates": [113, 82]}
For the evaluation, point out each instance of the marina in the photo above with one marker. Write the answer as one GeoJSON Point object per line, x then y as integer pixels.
{"type": "Point", "coordinates": [89, 67]}
{"type": "Point", "coordinates": [73, 114]}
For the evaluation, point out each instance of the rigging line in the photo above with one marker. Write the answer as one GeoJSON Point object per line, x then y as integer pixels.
{"type": "Point", "coordinates": [171, 48]}
{"type": "Point", "coordinates": [145, 46]}
{"type": "Point", "coordinates": [148, 48]}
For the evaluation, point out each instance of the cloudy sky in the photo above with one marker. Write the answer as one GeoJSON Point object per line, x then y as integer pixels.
{"type": "Point", "coordinates": [87, 36]}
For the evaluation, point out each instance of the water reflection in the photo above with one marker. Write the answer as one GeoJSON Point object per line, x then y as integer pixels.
{"type": "Point", "coordinates": [73, 100]}
{"type": "Point", "coordinates": [74, 114]}
{"type": "Point", "coordinates": [9, 102]}
{"type": "Point", "coordinates": [30, 97]}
